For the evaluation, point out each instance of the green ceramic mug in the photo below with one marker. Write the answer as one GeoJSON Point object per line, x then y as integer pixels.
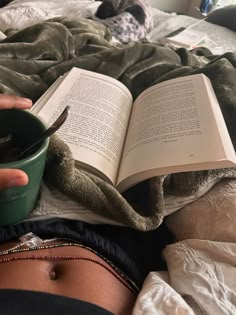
{"type": "Point", "coordinates": [17, 202]}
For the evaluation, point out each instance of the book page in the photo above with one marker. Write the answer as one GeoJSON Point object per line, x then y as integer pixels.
{"type": "Point", "coordinates": [173, 128]}
{"type": "Point", "coordinates": [97, 124]}
{"type": "Point", "coordinates": [187, 38]}
{"type": "Point", "coordinates": [210, 44]}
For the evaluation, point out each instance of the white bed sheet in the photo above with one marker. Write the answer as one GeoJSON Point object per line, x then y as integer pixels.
{"type": "Point", "coordinates": [200, 281]}
{"type": "Point", "coordinates": [22, 13]}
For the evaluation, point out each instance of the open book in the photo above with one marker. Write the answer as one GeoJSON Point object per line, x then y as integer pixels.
{"type": "Point", "coordinates": [194, 36]}
{"type": "Point", "coordinates": [174, 126]}
{"type": "Point", "coordinates": [187, 38]}
{"type": "Point", "coordinates": [190, 39]}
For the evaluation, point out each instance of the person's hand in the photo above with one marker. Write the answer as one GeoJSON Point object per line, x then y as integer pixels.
{"type": "Point", "coordinates": [13, 177]}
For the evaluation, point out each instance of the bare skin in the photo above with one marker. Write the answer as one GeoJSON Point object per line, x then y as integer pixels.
{"type": "Point", "coordinates": [82, 279]}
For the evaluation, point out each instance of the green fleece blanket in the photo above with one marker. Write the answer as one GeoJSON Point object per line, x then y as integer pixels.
{"type": "Point", "coordinates": [33, 58]}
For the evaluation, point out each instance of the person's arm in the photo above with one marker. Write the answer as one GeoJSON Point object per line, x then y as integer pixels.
{"type": "Point", "coordinates": [13, 177]}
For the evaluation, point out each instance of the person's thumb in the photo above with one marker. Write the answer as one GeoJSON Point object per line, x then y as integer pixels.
{"type": "Point", "coordinates": [12, 177]}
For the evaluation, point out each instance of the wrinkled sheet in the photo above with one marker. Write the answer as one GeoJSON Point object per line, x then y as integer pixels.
{"type": "Point", "coordinates": [211, 217]}
{"type": "Point", "coordinates": [200, 281]}
{"type": "Point", "coordinates": [35, 11]}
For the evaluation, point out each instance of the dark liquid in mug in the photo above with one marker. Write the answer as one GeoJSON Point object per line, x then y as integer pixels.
{"type": "Point", "coordinates": [9, 152]}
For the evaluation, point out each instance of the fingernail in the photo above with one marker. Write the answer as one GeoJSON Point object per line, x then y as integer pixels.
{"type": "Point", "coordinates": [24, 102]}
{"type": "Point", "coordinates": [27, 101]}
{"type": "Point", "coordinates": [16, 181]}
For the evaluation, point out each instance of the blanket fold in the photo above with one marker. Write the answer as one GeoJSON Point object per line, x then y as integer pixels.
{"type": "Point", "coordinates": [33, 58]}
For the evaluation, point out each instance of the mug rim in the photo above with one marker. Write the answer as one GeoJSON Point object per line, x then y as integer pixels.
{"type": "Point", "coordinates": [40, 151]}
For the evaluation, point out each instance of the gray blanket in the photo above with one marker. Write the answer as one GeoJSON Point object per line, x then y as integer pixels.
{"type": "Point", "coordinates": [33, 58]}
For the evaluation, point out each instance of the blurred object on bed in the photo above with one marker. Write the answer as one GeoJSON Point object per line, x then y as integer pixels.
{"type": "Point", "coordinates": [128, 20]}
{"type": "Point", "coordinates": [225, 16]}
{"type": "Point", "coordinates": [206, 6]}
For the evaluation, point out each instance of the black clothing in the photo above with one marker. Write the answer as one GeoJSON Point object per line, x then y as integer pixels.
{"type": "Point", "coordinates": [22, 302]}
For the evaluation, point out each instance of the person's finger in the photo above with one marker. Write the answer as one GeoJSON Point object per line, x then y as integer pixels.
{"type": "Point", "coordinates": [12, 177]}
{"type": "Point", "coordinates": [11, 101]}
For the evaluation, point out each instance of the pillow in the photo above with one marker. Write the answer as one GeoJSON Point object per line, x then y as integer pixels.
{"type": "Point", "coordinates": [128, 20]}
{"type": "Point", "coordinates": [211, 217]}
{"type": "Point", "coordinates": [225, 16]}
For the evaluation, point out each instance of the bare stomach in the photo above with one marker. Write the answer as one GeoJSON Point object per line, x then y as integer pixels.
{"type": "Point", "coordinates": [70, 271]}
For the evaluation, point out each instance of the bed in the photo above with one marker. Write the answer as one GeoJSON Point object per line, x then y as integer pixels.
{"type": "Point", "coordinates": [199, 209]}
